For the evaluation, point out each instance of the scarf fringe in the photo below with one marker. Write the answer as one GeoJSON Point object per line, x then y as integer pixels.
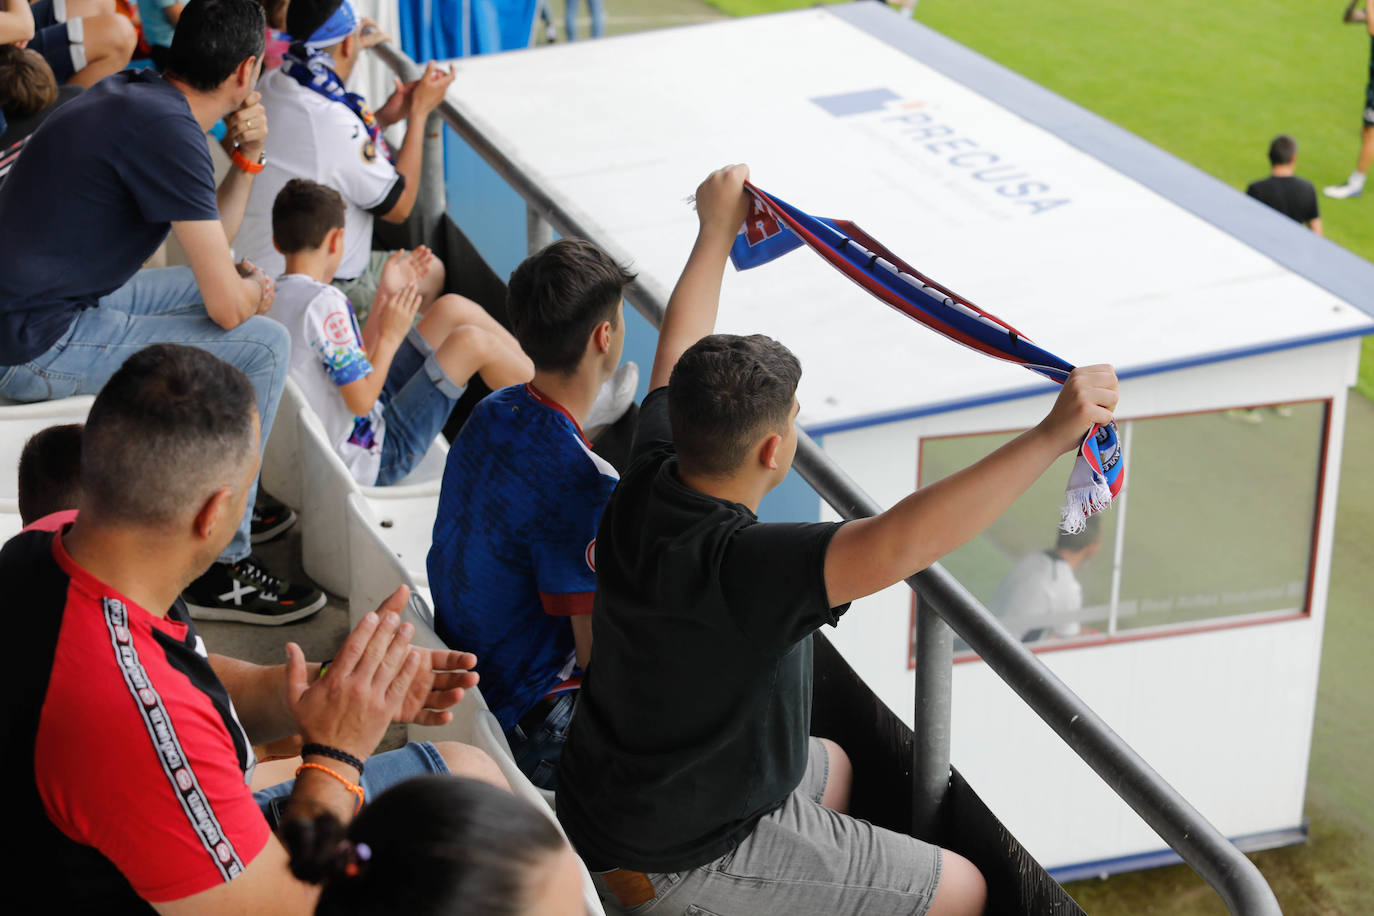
{"type": "Point", "coordinates": [1081, 502]}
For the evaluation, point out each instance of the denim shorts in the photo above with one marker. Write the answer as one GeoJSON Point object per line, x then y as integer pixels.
{"type": "Point", "coordinates": [418, 396]}
{"type": "Point", "coordinates": [380, 773]}
{"type": "Point", "coordinates": [801, 860]}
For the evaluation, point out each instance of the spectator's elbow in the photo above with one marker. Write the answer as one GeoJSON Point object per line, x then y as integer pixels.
{"type": "Point", "coordinates": [401, 212]}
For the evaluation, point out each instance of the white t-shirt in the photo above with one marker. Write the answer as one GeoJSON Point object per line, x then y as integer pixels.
{"type": "Point", "coordinates": [1035, 592]}
{"type": "Point", "coordinates": [327, 352]}
{"type": "Point", "coordinates": [310, 136]}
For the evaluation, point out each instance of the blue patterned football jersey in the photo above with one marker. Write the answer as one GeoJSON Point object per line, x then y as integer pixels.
{"type": "Point", "coordinates": [514, 541]}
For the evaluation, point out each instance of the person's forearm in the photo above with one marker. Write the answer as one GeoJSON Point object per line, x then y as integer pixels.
{"type": "Point", "coordinates": [691, 311]}
{"type": "Point", "coordinates": [935, 520]}
{"type": "Point", "coordinates": [232, 197]}
{"type": "Point", "coordinates": [362, 394]}
{"type": "Point", "coordinates": [259, 695]}
{"type": "Point", "coordinates": [316, 792]}
{"type": "Point", "coordinates": [1369, 16]}
{"type": "Point", "coordinates": [408, 164]}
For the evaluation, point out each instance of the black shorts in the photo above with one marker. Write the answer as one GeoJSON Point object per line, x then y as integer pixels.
{"type": "Point", "coordinates": [1369, 88]}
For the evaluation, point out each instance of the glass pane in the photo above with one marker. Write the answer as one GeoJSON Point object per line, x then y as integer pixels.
{"type": "Point", "coordinates": [1220, 516]}
{"type": "Point", "coordinates": [1218, 523]}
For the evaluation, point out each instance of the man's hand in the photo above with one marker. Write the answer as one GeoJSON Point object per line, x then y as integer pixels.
{"type": "Point", "coordinates": [1087, 398]}
{"type": "Point", "coordinates": [365, 686]}
{"type": "Point", "coordinates": [397, 108]}
{"type": "Point", "coordinates": [445, 675]}
{"type": "Point", "coordinates": [371, 34]}
{"type": "Point", "coordinates": [267, 290]}
{"type": "Point", "coordinates": [429, 90]}
{"type": "Point", "coordinates": [393, 314]}
{"type": "Point", "coordinates": [246, 128]}
{"type": "Point", "coordinates": [722, 203]}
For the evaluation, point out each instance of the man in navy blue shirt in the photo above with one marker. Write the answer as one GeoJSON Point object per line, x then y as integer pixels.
{"type": "Point", "coordinates": [93, 196]}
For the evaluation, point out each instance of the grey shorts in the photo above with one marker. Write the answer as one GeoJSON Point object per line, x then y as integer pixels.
{"type": "Point", "coordinates": [363, 289]}
{"type": "Point", "coordinates": [801, 860]}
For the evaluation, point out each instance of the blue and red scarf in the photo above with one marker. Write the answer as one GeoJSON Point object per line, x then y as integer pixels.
{"type": "Point", "coordinates": [310, 67]}
{"type": "Point", "coordinates": [774, 227]}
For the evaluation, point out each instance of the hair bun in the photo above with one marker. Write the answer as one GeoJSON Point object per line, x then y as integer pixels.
{"type": "Point", "coordinates": [320, 851]}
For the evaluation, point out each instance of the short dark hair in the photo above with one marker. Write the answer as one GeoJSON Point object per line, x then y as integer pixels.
{"type": "Point", "coordinates": [1090, 535]}
{"type": "Point", "coordinates": [724, 393]}
{"type": "Point", "coordinates": [558, 295]}
{"type": "Point", "coordinates": [27, 84]}
{"type": "Point", "coordinates": [50, 472]}
{"type": "Point", "coordinates": [303, 213]}
{"type": "Point", "coordinates": [212, 38]}
{"type": "Point", "coordinates": [1283, 150]}
{"type": "Point", "coordinates": [304, 17]}
{"type": "Point", "coordinates": [435, 845]}
{"type": "Point", "coordinates": [170, 427]}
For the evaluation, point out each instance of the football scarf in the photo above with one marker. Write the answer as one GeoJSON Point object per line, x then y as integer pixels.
{"type": "Point", "coordinates": [774, 227]}
{"type": "Point", "coordinates": [310, 68]}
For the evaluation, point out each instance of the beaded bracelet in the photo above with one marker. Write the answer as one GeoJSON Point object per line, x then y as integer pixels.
{"type": "Point", "coordinates": [324, 750]}
{"type": "Point", "coordinates": [352, 787]}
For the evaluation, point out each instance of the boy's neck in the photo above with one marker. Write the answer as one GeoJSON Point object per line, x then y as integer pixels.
{"type": "Point", "coordinates": [314, 263]}
{"type": "Point", "coordinates": [574, 393]}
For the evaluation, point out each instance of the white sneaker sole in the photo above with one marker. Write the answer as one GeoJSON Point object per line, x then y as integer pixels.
{"type": "Point", "coordinates": [235, 615]}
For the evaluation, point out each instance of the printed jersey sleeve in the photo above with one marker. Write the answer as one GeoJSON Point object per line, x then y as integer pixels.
{"type": "Point", "coordinates": [773, 578]}
{"type": "Point", "coordinates": [332, 331]}
{"type": "Point", "coordinates": [173, 179]}
{"type": "Point", "coordinates": [364, 176]}
{"type": "Point", "coordinates": [564, 556]}
{"type": "Point", "coordinates": [150, 782]}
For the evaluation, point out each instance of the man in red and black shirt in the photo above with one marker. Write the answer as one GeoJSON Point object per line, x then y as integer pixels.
{"type": "Point", "coordinates": [129, 748]}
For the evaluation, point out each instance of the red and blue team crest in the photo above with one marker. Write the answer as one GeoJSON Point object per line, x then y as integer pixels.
{"type": "Point", "coordinates": [775, 227]}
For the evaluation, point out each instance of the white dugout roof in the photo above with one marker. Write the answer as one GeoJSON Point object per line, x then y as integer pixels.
{"type": "Point", "coordinates": [1097, 245]}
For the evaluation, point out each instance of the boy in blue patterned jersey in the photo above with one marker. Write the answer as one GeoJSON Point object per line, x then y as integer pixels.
{"type": "Point", "coordinates": [512, 566]}
{"type": "Point", "coordinates": [383, 391]}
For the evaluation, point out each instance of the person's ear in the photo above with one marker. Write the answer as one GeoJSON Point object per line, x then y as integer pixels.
{"type": "Point", "coordinates": [601, 336]}
{"type": "Point", "coordinates": [243, 75]}
{"type": "Point", "coordinates": [350, 46]}
{"type": "Point", "coordinates": [334, 241]}
{"type": "Point", "coordinates": [208, 517]}
{"type": "Point", "coordinates": [768, 451]}
{"type": "Point", "coordinates": [276, 246]}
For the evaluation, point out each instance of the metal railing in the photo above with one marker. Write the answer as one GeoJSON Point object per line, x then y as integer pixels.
{"type": "Point", "coordinates": [944, 602]}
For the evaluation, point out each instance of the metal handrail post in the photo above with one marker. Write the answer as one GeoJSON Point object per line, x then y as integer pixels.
{"type": "Point", "coordinates": [538, 232]}
{"type": "Point", "coordinates": [932, 699]}
{"type": "Point", "coordinates": [1234, 877]}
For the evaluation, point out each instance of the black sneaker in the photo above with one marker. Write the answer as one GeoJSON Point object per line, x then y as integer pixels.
{"type": "Point", "coordinates": [271, 519]}
{"type": "Point", "coordinates": [245, 592]}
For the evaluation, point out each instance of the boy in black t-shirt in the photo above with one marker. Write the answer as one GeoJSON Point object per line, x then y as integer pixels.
{"type": "Point", "coordinates": [689, 777]}
{"type": "Point", "coordinates": [1292, 196]}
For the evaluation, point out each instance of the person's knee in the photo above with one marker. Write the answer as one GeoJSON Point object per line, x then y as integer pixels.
{"type": "Point", "coordinates": [839, 780]}
{"type": "Point", "coordinates": [963, 891]}
{"type": "Point", "coordinates": [472, 762]}
{"type": "Point", "coordinates": [469, 344]}
{"type": "Point", "coordinates": [109, 35]}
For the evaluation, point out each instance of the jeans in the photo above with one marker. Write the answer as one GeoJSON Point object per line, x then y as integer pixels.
{"type": "Point", "coordinates": [381, 772]}
{"type": "Point", "coordinates": [598, 10]}
{"type": "Point", "coordinates": [537, 753]}
{"type": "Point", "coordinates": [157, 306]}
{"type": "Point", "coordinates": [419, 396]}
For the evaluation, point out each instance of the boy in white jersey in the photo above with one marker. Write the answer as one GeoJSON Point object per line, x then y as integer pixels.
{"type": "Point", "coordinates": [383, 391]}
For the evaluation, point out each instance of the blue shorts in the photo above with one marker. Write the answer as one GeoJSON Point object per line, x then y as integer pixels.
{"type": "Point", "coordinates": [418, 397]}
{"type": "Point", "coordinates": [61, 43]}
{"type": "Point", "coordinates": [380, 773]}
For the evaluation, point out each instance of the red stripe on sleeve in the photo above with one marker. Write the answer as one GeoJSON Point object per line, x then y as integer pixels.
{"type": "Point", "coordinates": [567, 604]}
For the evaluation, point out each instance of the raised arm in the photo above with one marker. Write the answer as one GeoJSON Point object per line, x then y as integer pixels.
{"type": "Point", "coordinates": [246, 132]}
{"type": "Point", "coordinates": [868, 555]}
{"type": "Point", "coordinates": [425, 96]}
{"type": "Point", "coordinates": [722, 205]}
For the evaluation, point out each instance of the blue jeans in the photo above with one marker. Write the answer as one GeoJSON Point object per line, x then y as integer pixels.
{"type": "Point", "coordinates": [598, 11]}
{"type": "Point", "coordinates": [157, 306]}
{"type": "Point", "coordinates": [537, 753]}
{"type": "Point", "coordinates": [419, 396]}
{"type": "Point", "coordinates": [380, 772]}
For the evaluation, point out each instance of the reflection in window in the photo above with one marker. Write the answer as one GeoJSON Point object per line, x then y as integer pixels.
{"type": "Point", "coordinates": [1216, 522]}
